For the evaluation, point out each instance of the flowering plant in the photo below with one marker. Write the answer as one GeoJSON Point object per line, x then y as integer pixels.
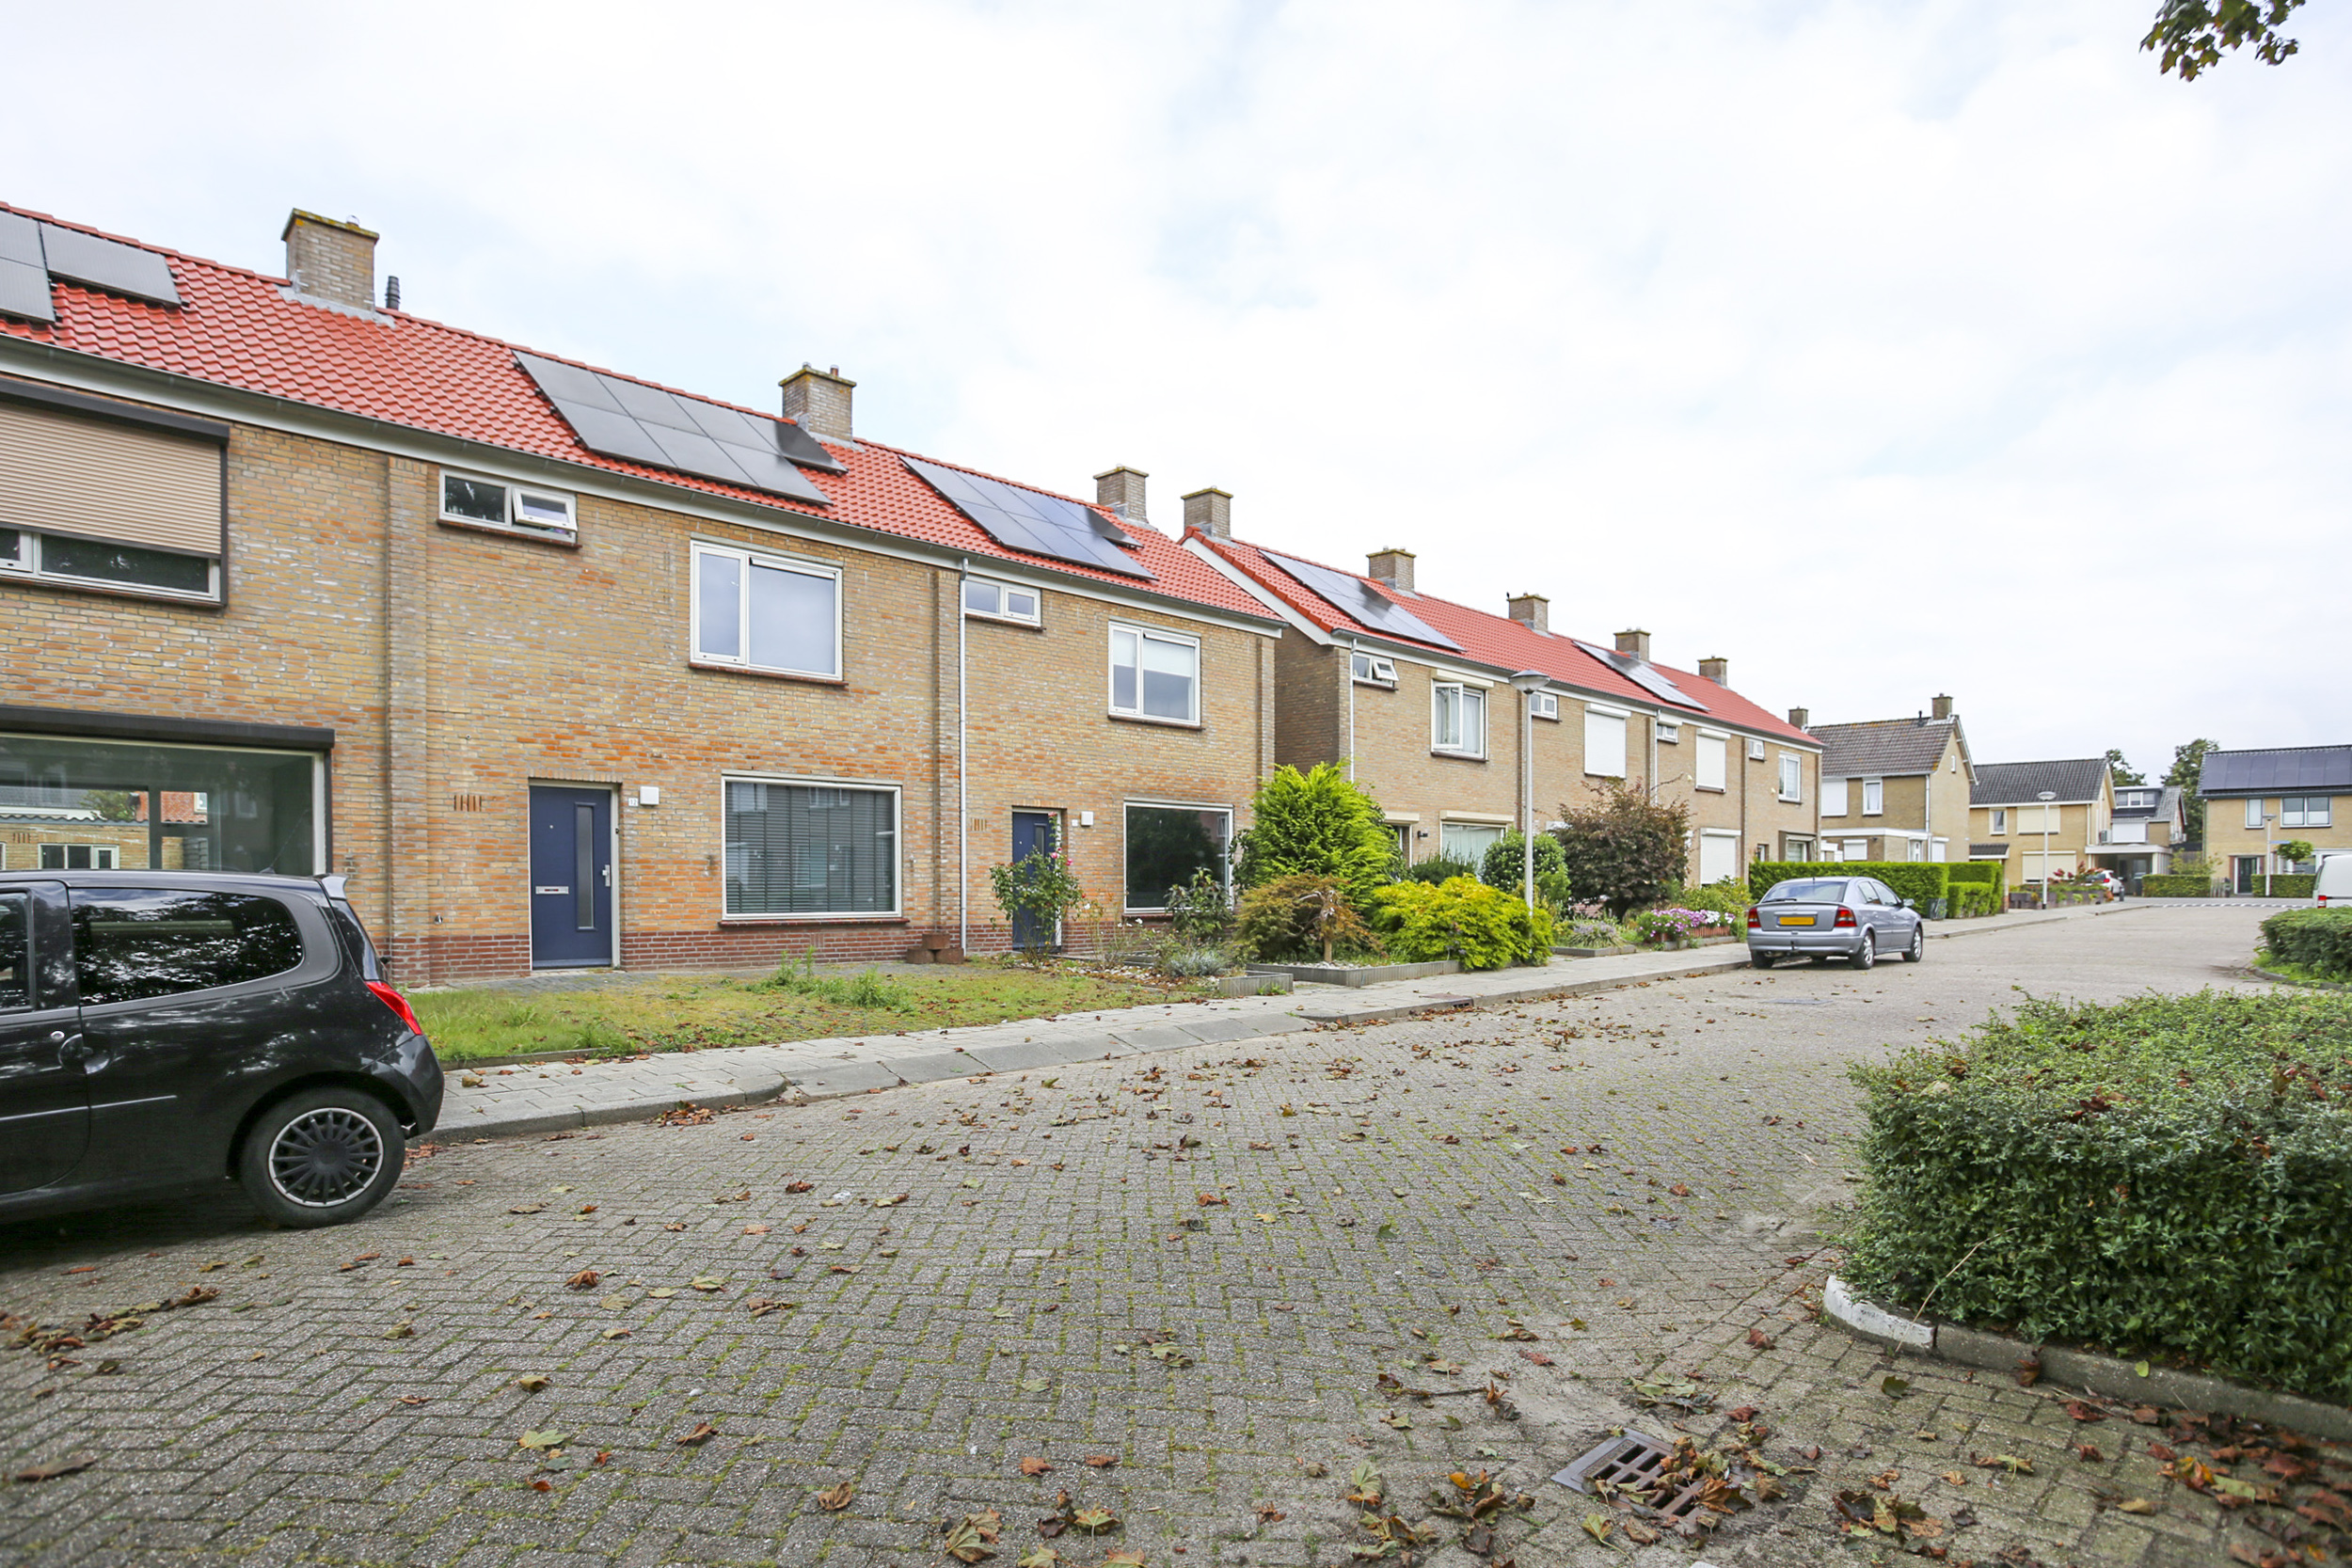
{"type": "Point", "coordinates": [1670, 924]}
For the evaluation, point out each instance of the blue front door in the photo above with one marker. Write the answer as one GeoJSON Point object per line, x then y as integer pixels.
{"type": "Point", "coordinates": [1033, 832]}
{"type": "Point", "coordinates": [571, 876]}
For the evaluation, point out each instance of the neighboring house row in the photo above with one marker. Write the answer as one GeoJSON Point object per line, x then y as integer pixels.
{"type": "Point", "coordinates": [2256, 800]}
{"type": "Point", "coordinates": [560, 667]}
{"type": "Point", "coordinates": [2042, 817]}
{"type": "Point", "coordinates": [1426, 702]}
{"type": "Point", "coordinates": [1894, 789]}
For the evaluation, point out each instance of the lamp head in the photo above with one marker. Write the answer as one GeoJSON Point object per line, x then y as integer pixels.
{"type": "Point", "coordinates": [1528, 681]}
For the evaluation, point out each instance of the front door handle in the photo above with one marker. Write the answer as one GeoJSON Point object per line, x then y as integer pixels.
{"type": "Point", "coordinates": [56, 1037]}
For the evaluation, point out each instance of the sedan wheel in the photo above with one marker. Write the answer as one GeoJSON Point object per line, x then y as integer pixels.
{"type": "Point", "coordinates": [320, 1157]}
{"type": "Point", "coordinates": [1762, 960]}
{"type": "Point", "coordinates": [1866, 954]}
{"type": "Point", "coordinates": [1918, 948]}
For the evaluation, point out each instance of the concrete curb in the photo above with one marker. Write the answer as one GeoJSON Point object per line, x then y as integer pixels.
{"type": "Point", "coordinates": [2255, 972]}
{"type": "Point", "coordinates": [2100, 1375]}
{"type": "Point", "coordinates": [1535, 991]}
{"type": "Point", "coordinates": [1994, 925]}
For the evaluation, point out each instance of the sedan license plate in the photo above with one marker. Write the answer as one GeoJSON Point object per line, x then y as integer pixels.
{"type": "Point", "coordinates": [1796, 919]}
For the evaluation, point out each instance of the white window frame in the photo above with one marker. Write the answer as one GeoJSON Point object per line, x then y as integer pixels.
{"type": "Point", "coordinates": [1110, 672]}
{"type": "Point", "coordinates": [29, 564]}
{"type": "Point", "coordinates": [746, 558]}
{"type": "Point", "coordinates": [1622, 718]}
{"type": "Point", "coordinates": [2254, 818]}
{"type": "Point", "coordinates": [1544, 704]}
{"type": "Point", "coordinates": [1756, 751]}
{"type": "Point", "coordinates": [1461, 690]}
{"type": "Point", "coordinates": [1714, 744]}
{"type": "Point", "coordinates": [1370, 670]}
{"type": "Point", "coordinates": [1669, 732]}
{"type": "Point", "coordinates": [2000, 820]}
{"type": "Point", "coordinates": [897, 844]}
{"type": "Point", "coordinates": [1719, 837]}
{"type": "Point", "coordinates": [1874, 796]}
{"type": "Point", "coordinates": [1792, 777]}
{"type": "Point", "coordinates": [567, 531]}
{"type": "Point", "coordinates": [2294, 811]}
{"type": "Point", "coordinates": [1004, 610]}
{"type": "Point", "coordinates": [1836, 797]}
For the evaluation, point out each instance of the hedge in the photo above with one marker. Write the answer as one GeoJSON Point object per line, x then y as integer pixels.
{"type": "Point", "coordinates": [1460, 918]}
{"type": "Point", "coordinates": [1995, 872]}
{"type": "Point", "coordinates": [1921, 882]}
{"type": "Point", "coordinates": [2176, 887]}
{"type": "Point", "coordinates": [2317, 939]}
{"type": "Point", "coordinates": [2161, 1176]}
{"type": "Point", "coordinates": [2296, 884]}
{"type": "Point", "coordinates": [1968, 899]}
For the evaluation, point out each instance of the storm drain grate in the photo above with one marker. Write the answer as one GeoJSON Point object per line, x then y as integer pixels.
{"type": "Point", "coordinates": [1630, 1462]}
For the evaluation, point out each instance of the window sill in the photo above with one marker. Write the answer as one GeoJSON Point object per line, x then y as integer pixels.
{"type": "Point", "coordinates": [1711, 789]}
{"type": "Point", "coordinates": [725, 922]}
{"type": "Point", "coordinates": [1005, 620]}
{"type": "Point", "coordinates": [765, 674]}
{"type": "Point", "coordinates": [533, 536]}
{"type": "Point", "coordinates": [1376, 685]}
{"type": "Point", "coordinates": [1790, 800]}
{"type": "Point", "coordinates": [1457, 756]}
{"type": "Point", "coordinates": [110, 590]}
{"type": "Point", "coordinates": [1152, 718]}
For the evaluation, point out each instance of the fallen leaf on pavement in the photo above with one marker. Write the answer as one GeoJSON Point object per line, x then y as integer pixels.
{"type": "Point", "coordinates": [1094, 1521]}
{"type": "Point", "coordinates": [542, 1485]}
{"type": "Point", "coordinates": [703, 1431]}
{"type": "Point", "coordinates": [1760, 1340]}
{"type": "Point", "coordinates": [2082, 1411]}
{"type": "Point", "coordinates": [584, 1280]}
{"type": "Point", "coordinates": [832, 1499]}
{"type": "Point", "coordinates": [1039, 1556]}
{"type": "Point", "coordinates": [1538, 1357]}
{"type": "Point", "coordinates": [542, 1442]}
{"type": "Point", "coordinates": [2009, 1462]}
{"type": "Point", "coordinates": [401, 1331]}
{"type": "Point", "coordinates": [1034, 1467]}
{"type": "Point", "coordinates": [2136, 1505]}
{"type": "Point", "coordinates": [526, 1208]}
{"type": "Point", "coordinates": [1895, 1387]}
{"type": "Point", "coordinates": [755, 1230]}
{"type": "Point", "coordinates": [50, 1472]}
{"type": "Point", "coordinates": [531, 1383]}
{"type": "Point", "coordinates": [968, 1537]}
{"type": "Point", "coordinates": [1101, 1461]}
{"type": "Point", "coordinates": [415, 1399]}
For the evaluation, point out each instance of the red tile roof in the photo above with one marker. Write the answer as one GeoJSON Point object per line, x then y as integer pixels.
{"type": "Point", "coordinates": [237, 329]}
{"type": "Point", "coordinates": [1500, 642]}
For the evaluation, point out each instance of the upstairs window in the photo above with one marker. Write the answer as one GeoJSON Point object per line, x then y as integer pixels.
{"type": "Point", "coordinates": [1604, 743]}
{"type": "Point", "coordinates": [764, 613]}
{"type": "Point", "coordinates": [2307, 811]}
{"type": "Point", "coordinates": [1791, 776]}
{"type": "Point", "coordinates": [1544, 704]}
{"type": "Point", "coordinates": [1372, 670]}
{"type": "Point", "coordinates": [1713, 764]}
{"type": "Point", "coordinates": [1873, 797]}
{"type": "Point", "coordinates": [479, 503]}
{"type": "Point", "coordinates": [1155, 675]}
{"type": "Point", "coordinates": [1457, 718]}
{"type": "Point", "coordinates": [1669, 732]}
{"type": "Point", "coordinates": [110, 503]}
{"type": "Point", "coordinates": [1000, 601]}
{"type": "Point", "coordinates": [2254, 818]}
{"type": "Point", "coordinates": [2000, 819]}
{"type": "Point", "coordinates": [1834, 800]}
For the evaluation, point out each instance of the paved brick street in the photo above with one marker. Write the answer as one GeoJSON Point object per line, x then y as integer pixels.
{"type": "Point", "coordinates": [1196, 1262]}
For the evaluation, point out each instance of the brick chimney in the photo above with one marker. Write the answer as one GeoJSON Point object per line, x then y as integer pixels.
{"type": "Point", "coordinates": [1634, 644]}
{"type": "Point", "coordinates": [1121, 490]}
{"type": "Point", "coordinates": [1716, 669]}
{"type": "Point", "coordinates": [1210, 511]}
{"type": "Point", "coordinates": [329, 261]}
{"type": "Point", "coordinates": [1392, 568]}
{"type": "Point", "coordinates": [1532, 610]}
{"type": "Point", "coordinates": [1942, 707]}
{"type": "Point", "coordinates": [1801, 717]}
{"type": "Point", "coordinates": [818, 401]}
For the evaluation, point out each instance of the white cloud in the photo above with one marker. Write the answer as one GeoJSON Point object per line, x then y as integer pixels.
{"type": "Point", "coordinates": [1884, 349]}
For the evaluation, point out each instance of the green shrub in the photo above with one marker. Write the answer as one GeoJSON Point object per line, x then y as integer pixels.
{"type": "Point", "coordinates": [2317, 939]}
{"type": "Point", "coordinates": [1320, 824]}
{"type": "Point", "coordinates": [869, 988]}
{"type": "Point", "coordinates": [1921, 882]}
{"type": "Point", "coordinates": [2296, 884]}
{"type": "Point", "coordinates": [2199, 886]}
{"type": "Point", "coordinates": [1506, 859]}
{"type": "Point", "coordinates": [1438, 868]}
{"type": "Point", "coordinates": [1625, 848]}
{"type": "Point", "coordinates": [1967, 900]}
{"type": "Point", "coordinates": [1201, 911]}
{"type": "Point", "coordinates": [1041, 888]}
{"type": "Point", "coordinates": [1589, 931]}
{"type": "Point", "coordinates": [1302, 916]}
{"type": "Point", "coordinates": [1728, 898]}
{"type": "Point", "coordinates": [1183, 960]}
{"type": "Point", "coordinates": [1992, 874]}
{"type": "Point", "coordinates": [1461, 918]}
{"type": "Point", "coordinates": [2162, 1176]}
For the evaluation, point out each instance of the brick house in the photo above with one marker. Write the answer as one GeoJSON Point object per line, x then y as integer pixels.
{"type": "Point", "coordinates": [2010, 821]}
{"type": "Point", "coordinates": [2147, 828]}
{"type": "Point", "coordinates": [1894, 789]}
{"type": "Point", "coordinates": [1414, 694]}
{"type": "Point", "coordinates": [2256, 800]}
{"type": "Point", "coordinates": [560, 667]}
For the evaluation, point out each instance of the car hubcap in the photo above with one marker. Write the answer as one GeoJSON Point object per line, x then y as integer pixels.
{"type": "Point", "coordinates": [326, 1157]}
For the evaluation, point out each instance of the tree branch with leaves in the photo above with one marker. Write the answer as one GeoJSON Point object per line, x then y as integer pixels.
{"type": "Point", "coordinates": [2190, 35]}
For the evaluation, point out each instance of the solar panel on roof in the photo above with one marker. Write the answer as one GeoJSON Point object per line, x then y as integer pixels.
{"type": "Point", "coordinates": [1032, 522]}
{"type": "Point", "coordinates": [1353, 596]}
{"type": "Point", "coordinates": [631, 420]}
{"type": "Point", "coordinates": [1643, 676]}
{"type": "Point", "coordinates": [108, 265]}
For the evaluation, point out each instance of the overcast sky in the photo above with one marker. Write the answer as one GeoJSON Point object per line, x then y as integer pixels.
{"type": "Point", "coordinates": [1884, 350]}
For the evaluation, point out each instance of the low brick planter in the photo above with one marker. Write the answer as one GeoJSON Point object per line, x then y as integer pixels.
{"type": "Point", "coordinates": [1366, 974]}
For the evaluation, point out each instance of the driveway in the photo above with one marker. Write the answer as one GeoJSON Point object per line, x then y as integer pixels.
{"type": "Point", "coordinates": [1196, 1265]}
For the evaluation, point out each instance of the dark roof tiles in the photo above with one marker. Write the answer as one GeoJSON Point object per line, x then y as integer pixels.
{"type": "Point", "coordinates": [2010, 784]}
{"type": "Point", "coordinates": [1883, 748]}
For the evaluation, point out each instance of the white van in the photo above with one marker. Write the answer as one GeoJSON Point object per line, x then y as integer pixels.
{"type": "Point", "coordinates": [2333, 888]}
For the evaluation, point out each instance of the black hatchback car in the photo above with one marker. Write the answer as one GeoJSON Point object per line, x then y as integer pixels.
{"type": "Point", "coordinates": [162, 1030]}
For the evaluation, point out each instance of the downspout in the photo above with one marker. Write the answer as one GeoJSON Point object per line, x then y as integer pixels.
{"type": "Point", "coordinates": [1351, 715]}
{"type": "Point", "coordinates": [963, 809]}
{"type": "Point", "coordinates": [1745, 785]}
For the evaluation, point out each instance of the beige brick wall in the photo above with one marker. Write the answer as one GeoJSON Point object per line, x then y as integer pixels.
{"type": "Point", "coordinates": [2227, 834]}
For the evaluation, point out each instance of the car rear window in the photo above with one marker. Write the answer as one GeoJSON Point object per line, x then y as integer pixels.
{"type": "Point", "coordinates": [132, 944]}
{"type": "Point", "coordinates": [16, 950]}
{"type": "Point", "coordinates": [1806, 893]}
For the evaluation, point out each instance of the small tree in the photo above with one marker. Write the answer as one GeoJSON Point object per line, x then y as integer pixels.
{"type": "Point", "coordinates": [2293, 850]}
{"type": "Point", "coordinates": [1505, 867]}
{"type": "Point", "coordinates": [1624, 849]}
{"type": "Point", "coordinates": [1300, 912]}
{"type": "Point", "coordinates": [1037, 890]}
{"type": "Point", "coordinates": [1320, 824]}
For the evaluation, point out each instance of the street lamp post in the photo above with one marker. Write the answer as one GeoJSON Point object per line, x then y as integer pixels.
{"type": "Point", "coordinates": [1527, 683]}
{"type": "Point", "coordinates": [2045, 797]}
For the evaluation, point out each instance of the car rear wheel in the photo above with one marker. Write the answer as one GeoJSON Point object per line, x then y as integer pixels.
{"type": "Point", "coordinates": [321, 1157]}
{"type": "Point", "coordinates": [1918, 948]}
{"type": "Point", "coordinates": [1763, 960]}
{"type": "Point", "coordinates": [1866, 954]}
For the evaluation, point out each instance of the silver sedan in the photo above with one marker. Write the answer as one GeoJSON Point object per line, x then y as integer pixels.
{"type": "Point", "coordinates": [1853, 918]}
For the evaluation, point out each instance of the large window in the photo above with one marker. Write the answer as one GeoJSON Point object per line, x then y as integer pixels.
{"type": "Point", "coordinates": [132, 944]}
{"type": "Point", "coordinates": [130, 806]}
{"type": "Point", "coordinates": [1155, 675]}
{"type": "Point", "coordinates": [1167, 846]}
{"type": "Point", "coordinates": [764, 613]}
{"type": "Point", "coordinates": [1712, 764]}
{"type": "Point", "coordinates": [106, 502]}
{"type": "Point", "coordinates": [1457, 720]}
{"type": "Point", "coordinates": [2307, 811]}
{"type": "Point", "coordinates": [1604, 743]}
{"type": "Point", "coordinates": [801, 849]}
{"type": "Point", "coordinates": [1468, 841]}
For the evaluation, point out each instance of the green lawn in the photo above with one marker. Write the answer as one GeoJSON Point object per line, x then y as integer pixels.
{"type": "Point", "coordinates": [675, 1012]}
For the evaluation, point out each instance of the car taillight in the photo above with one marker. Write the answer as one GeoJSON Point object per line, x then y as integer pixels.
{"type": "Point", "coordinates": [1753, 924]}
{"type": "Point", "coordinates": [399, 1004]}
{"type": "Point", "coordinates": [1844, 920]}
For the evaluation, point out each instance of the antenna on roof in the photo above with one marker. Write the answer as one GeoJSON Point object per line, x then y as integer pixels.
{"type": "Point", "coordinates": [391, 294]}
